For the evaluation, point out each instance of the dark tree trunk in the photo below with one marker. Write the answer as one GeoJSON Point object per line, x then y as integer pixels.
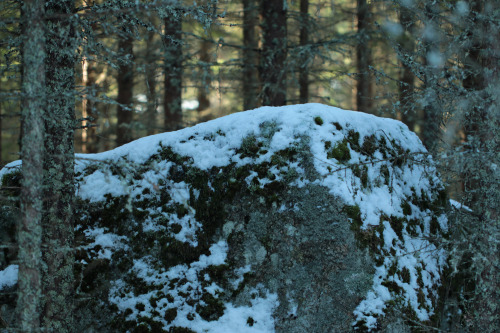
{"type": "Point", "coordinates": [125, 82]}
{"type": "Point", "coordinates": [29, 234]}
{"type": "Point", "coordinates": [205, 61]}
{"type": "Point", "coordinates": [250, 56]}
{"type": "Point", "coordinates": [364, 91]}
{"type": "Point", "coordinates": [432, 117]}
{"type": "Point", "coordinates": [304, 40]}
{"type": "Point", "coordinates": [151, 85]}
{"type": "Point", "coordinates": [1, 130]}
{"type": "Point", "coordinates": [475, 81]}
{"type": "Point", "coordinates": [173, 74]}
{"type": "Point", "coordinates": [406, 87]}
{"type": "Point", "coordinates": [274, 52]}
{"type": "Point", "coordinates": [59, 189]}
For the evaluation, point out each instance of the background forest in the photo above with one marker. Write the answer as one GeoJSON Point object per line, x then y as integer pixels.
{"type": "Point", "coordinates": [88, 76]}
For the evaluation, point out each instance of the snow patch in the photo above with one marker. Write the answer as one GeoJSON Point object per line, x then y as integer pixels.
{"type": "Point", "coordinates": [8, 276]}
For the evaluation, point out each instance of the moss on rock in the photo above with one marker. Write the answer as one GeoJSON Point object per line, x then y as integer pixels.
{"type": "Point", "coordinates": [340, 151]}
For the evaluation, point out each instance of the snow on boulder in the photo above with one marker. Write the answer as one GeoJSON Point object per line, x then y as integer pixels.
{"type": "Point", "coordinates": [303, 218]}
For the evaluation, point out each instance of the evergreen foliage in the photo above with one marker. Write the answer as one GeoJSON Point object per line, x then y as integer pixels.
{"type": "Point", "coordinates": [456, 63]}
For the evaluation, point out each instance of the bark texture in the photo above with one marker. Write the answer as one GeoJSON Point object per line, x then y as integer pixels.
{"type": "Point", "coordinates": [29, 233]}
{"type": "Point", "coordinates": [59, 190]}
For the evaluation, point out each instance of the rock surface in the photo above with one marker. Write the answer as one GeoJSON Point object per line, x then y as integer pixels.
{"type": "Point", "coordinates": [307, 255]}
{"type": "Point", "coordinates": [303, 218]}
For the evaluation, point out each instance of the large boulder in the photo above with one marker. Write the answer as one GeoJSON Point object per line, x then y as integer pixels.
{"type": "Point", "coordinates": [302, 218]}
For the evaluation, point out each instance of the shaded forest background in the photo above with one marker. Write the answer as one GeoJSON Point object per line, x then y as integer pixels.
{"type": "Point", "coordinates": [120, 70]}
{"type": "Point", "coordinates": [163, 65]}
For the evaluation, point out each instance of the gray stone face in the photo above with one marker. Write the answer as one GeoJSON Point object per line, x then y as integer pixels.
{"type": "Point", "coordinates": [305, 253]}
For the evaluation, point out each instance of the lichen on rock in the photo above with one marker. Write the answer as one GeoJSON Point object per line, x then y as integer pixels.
{"type": "Point", "coordinates": [290, 219]}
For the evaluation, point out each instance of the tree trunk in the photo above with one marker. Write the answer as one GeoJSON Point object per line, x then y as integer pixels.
{"type": "Point", "coordinates": [173, 73]}
{"type": "Point", "coordinates": [125, 82]}
{"type": "Point", "coordinates": [304, 40]}
{"type": "Point", "coordinates": [432, 117]}
{"type": "Point", "coordinates": [406, 86]}
{"type": "Point", "coordinates": [205, 62]}
{"type": "Point", "coordinates": [21, 74]}
{"type": "Point", "coordinates": [274, 52]}
{"type": "Point", "coordinates": [250, 56]}
{"type": "Point", "coordinates": [29, 234]}
{"type": "Point", "coordinates": [364, 91]}
{"type": "Point", "coordinates": [151, 85]}
{"type": "Point", "coordinates": [59, 189]}
{"type": "Point", "coordinates": [89, 134]}
{"type": "Point", "coordinates": [85, 101]}
{"type": "Point", "coordinates": [1, 129]}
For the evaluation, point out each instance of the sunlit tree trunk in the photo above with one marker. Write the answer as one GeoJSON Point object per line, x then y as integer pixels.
{"type": "Point", "coordinates": [29, 234]}
{"type": "Point", "coordinates": [89, 134]}
{"type": "Point", "coordinates": [173, 73]}
{"type": "Point", "coordinates": [125, 82]}
{"type": "Point", "coordinates": [274, 52]}
{"type": "Point", "coordinates": [59, 189]}
{"type": "Point", "coordinates": [250, 56]}
{"type": "Point", "coordinates": [85, 102]}
{"type": "Point", "coordinates": [364, 91]}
